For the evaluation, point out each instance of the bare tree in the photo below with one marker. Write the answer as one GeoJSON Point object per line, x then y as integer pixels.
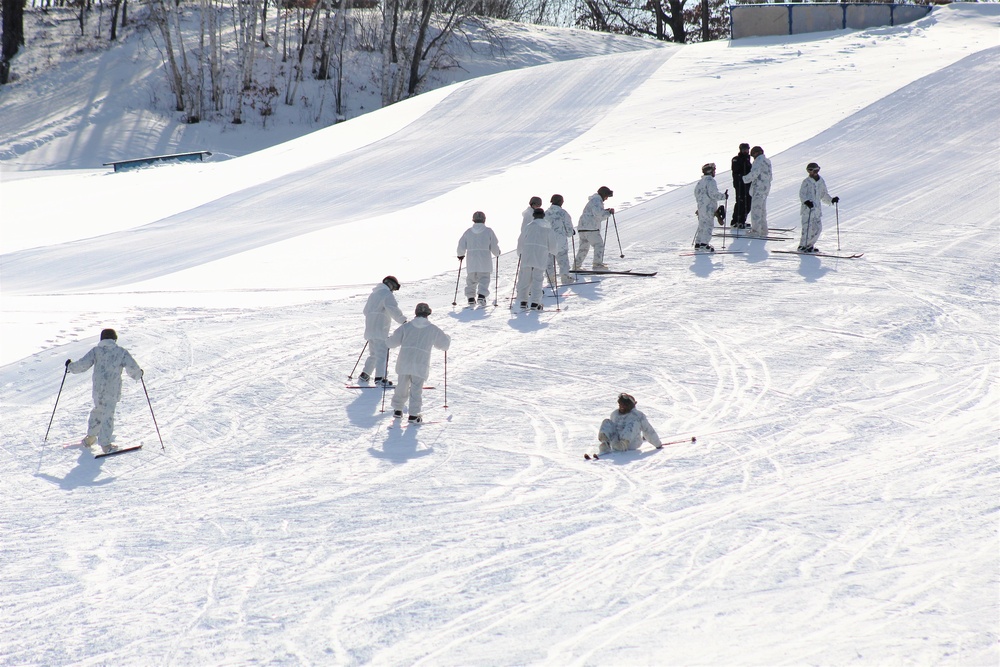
{"type": "Point", "coordinates": [415, 34]}
{"type": "Point", "coordinates": [650, 18]}
{"type": "Point", "coordinates": [12, 38]}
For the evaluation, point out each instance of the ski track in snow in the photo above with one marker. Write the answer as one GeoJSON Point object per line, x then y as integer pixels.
{"type": "Point", "coordinates": [839, 505]}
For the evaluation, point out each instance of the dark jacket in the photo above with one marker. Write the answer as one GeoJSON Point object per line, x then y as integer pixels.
{"type": "Point", "coordinates": [741, 167]}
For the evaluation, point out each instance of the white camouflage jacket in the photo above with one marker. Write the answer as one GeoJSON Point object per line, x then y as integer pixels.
{"type": "Point", "coordinates": [108, 361]}
{"type": "Point", "coordinates": [415, 340]}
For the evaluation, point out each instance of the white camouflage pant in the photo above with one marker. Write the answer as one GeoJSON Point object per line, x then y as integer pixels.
{"type": "Point", "coordinates": [476, 283]}
{"type": "Point", "coordinates": [529, 284]}
{"type": "Point", "coordinates": [409, 387]}
{"type": "Point", "coordinates": [812, 227]}
{"type": "Point", "coordinates": [758, 215]}
{"type": "Point", "coordinates": [588, 239]}
{"type": "Point", "coordinates": [705, 223]}
{"type": "Point", "coordinates": [375, 364]}
{"type": "Point", "coordinates": [101, 424]}
{"type": "Point", "coordinates": [562, 259]}
{"type": "Point", "coordinates": [620, 441]}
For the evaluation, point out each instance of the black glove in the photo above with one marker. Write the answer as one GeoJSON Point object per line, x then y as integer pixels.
{"type": "Point", "coordinates": [68, 362]}
{"type": "Point", "coordinates": [835, 200]}
{"type": "Point", "coordinates": [808, 203]}
{"type": "Point", "coordinates": [720, 212]}
{"type": "Point", "coordinates": [461, 257]}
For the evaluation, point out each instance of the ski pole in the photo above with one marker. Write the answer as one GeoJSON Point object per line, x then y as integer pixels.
{"type": "Point", "coordinates": [351, 376]}
{"type": "Point", "coordinates": [677, 442]}
{"type": "Point", "coordinates": [573, 239]}
{"type": "Point", "coordinates": [454, 301]}
{"type": "Point", "coordinates": [555, 287]}
{"type": "Point", "coordinates": [446, 379]}
{"type": "Point", "coordinates": [622, 253]}
{"type": "Point", "coordinates": [725, 208]}
{"type": "Point", "coordinates": [496, 282]}
{"type": "Point", "coordinates": [806, 229]}
{"type": "Point", "coordinates": [150, 403]}
{"type": "Point", "coordinates": [385, 377]}
{"type": "Point", "coordinates": [517, 272]}
{"type": "Point", "coordinates": [65, 372]}
{"type": "Point", "coordinates": [836, 208]}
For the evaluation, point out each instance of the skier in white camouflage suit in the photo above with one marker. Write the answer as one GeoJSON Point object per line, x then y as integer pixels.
{"type": "Point", "coordinates": [535, 248]}
{"type": "Point", "coordinates": [707, 194]}
{"type": "Point", "coordinates": [589, 227]}
{"type": "Point", "coordinates": [415, 340]}
{"type": "Point", "coordinates": [759, 179]}
{"type": "Point", "coordinates": [380, 307]}
{"type": "Point", "coordinates": [626, 428]}
{"type": "Point", "coordinates": [562, 225]}
{"type": "Point", "coordinates": [812, 194]}
{"type": "Point", "coordinates": [478, 243]}
{"type": "Point", "coordinates": [108, 360]}
{"type": "Point", "coordinates": [528, 214]}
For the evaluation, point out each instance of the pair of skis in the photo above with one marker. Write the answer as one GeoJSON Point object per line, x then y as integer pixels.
{"type": "Point", "coordinates": [595, 457]}
{"type": "Point", "coordinates": [819, 254]}
{"type": "Point", "coordinates": [606, 272]}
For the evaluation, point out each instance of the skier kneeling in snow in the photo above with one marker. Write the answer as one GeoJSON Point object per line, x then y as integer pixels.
{"type": "Point", "coordinates": [626, 428]}
{"type": "Point", "coordinates": [108, 361]}
{"type": "Point", "coordinates": [415, 340]}
{"type": "Point", "coordinates": [479, 241]}
{"type": "Point", "coordinates": [381, 305]}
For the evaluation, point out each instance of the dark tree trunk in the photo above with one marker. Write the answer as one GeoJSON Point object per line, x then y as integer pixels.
{"type": "Point", "coordinates": [13, 35]}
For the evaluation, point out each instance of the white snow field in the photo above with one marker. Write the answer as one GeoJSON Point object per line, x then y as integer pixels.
{"type": "Point", "coordinates": [840, 504]}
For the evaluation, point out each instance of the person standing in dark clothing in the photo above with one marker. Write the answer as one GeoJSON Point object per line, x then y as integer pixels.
{"type": "Point", "coordinates": [741, 167]}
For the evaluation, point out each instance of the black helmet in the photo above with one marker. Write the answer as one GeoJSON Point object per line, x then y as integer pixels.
{"type": "Point", "coordinates": [391, 283]}
{"type": "Point", "coordinates": [812, 166]}
{"type": "Point", "coordinates": [605, 191]}
{"type": "Point", "coordinates": [756, 150]}
{"type": "Point", "coordinates": [422, 310]}
{"type": "Point", "coordinates": [557, 200]}
{"type": "Point", "coordinates": [535, 201]}
{"type": "Point", "coordinates": [479, 216]}
{"type": "Point", "coordinates": [109, 334]}
{"type": "Point", "coordinates": [538, 213]}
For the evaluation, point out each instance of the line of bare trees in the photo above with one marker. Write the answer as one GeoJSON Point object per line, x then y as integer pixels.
{"type": "Point", "coordinates": [225, 57]}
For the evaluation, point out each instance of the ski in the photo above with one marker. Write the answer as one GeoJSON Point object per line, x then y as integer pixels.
{"type": "Point", "coordinates": [578, 282]}
{"type": "Point", "coordinates": [819, 254]}
{"type": "Point", "coordinates": [630, 272]}
{"type": "Point", "coordinates": [717, 252]}
{"type": "Point", "coordinates": [406, 424]}
{"type": "Point", "coordinates": [116, 452]}
{"type": "Point", "coordinates": [366, 386]}
{"type": "Point", "coordinates": [595, 457]}
{"type": "Point", "coordinates": [752, 238]}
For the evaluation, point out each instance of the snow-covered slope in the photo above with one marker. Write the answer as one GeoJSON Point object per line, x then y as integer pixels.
{"type": "Point", "coordinates": [839, 505]}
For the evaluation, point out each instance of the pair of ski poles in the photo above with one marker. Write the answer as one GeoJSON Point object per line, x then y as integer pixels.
{"type": "Point", "coordinates": [385, 387]}
{"type": "Point", "coordinates": [496, 285]}
{"type": "Point", "coordinates": [144, 390]}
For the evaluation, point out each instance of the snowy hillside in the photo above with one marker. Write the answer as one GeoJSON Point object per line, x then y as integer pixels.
{"type": "Point", "coordinates": [838, 507]}
{"type": "Point", "coordinates": [108, 102]}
